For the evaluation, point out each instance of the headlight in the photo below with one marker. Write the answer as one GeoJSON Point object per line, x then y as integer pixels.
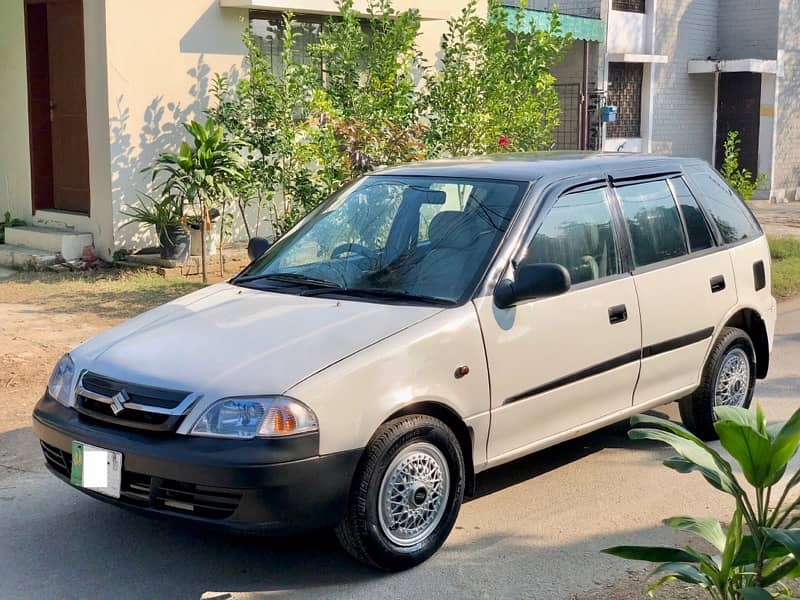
{"type": "Point", "coordinates": [246, 418]}
{"type": "Point", "coordinates": [60, 384]}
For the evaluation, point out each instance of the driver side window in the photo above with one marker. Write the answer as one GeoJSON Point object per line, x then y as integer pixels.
{"type": "Point", "coordinates": [578, 234]}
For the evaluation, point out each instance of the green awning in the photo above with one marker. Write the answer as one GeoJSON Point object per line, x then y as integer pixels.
{"type": "Point", "coordinates": [581, 28]}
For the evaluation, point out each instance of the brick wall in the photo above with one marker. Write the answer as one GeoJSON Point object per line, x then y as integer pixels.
{"type": "Point", "coordinates": [683, 104]}
{"type": "Point", "coordinates": [748, 29]}
{"type": "Point", "coordinates": [786, 175]}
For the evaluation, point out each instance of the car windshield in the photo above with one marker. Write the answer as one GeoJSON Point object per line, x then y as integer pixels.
{"type": "Point", "coordinates": [418, 239]}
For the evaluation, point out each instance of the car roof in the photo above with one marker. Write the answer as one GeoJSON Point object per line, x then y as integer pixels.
{"type": "Point", "coordinates": [535, 165]}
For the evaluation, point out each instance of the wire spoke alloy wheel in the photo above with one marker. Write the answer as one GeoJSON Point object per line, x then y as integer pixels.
{"type": "Point", "coordinates": [413, 494]}
{"type": "Point", "coordinates": [733, 379]}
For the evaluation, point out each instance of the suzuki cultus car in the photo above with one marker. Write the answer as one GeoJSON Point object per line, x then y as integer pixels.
{"type": "Point", "coordinates": [426, 323]}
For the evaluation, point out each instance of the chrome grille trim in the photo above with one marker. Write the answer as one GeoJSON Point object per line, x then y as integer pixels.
{"type": "Point", "coordinates": [126, 404]}
{"type": "Point", "coordinates": [181, 409]}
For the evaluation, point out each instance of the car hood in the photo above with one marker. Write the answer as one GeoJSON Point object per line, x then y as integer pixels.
{"type": "Point", "coordinates": [226, 340]}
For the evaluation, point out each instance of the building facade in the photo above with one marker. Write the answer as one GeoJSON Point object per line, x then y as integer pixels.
{"type": "Point", "coordinates": [93, 90]}
{"type": "Point", "coordinates": [683, 73]}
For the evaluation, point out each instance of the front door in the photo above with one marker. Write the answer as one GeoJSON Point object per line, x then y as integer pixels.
{"type": "Point", "coordinates": [558, 363]}
{"type": "Point", "coordinates": [57, 105]}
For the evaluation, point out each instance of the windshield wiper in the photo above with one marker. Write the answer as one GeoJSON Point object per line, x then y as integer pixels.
{"type": "Point", "coordinates": [384, 293]}
{"type": "Point", "coordinates": [296, 278]}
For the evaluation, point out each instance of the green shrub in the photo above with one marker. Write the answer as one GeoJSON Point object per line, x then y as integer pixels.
{"type": "Point", "coordinates": [760, 546]}
{"type": "Point", "coordinates": [741, 180]}
{"type": "Point", "coordinates": [9, 221]}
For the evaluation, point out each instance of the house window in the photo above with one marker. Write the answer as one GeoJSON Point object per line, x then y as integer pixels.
{"type": "Point", "coordinates": [636, 6]}
{"type": "Point", "coordinates": [625, 92]}
{"type": "Point", "coordinates": [268, 30]}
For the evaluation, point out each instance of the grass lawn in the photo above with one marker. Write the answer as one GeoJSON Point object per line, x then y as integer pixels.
{"type": "Point", "coordinates": [785, 253]}
{"type": "Point", "coordinates": [115, 294]}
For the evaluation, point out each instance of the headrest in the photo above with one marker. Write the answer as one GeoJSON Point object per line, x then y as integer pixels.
{"type": "Point", "coordinates": [423, 196]}
{"type": "Point", "coordinates": [452, 229]}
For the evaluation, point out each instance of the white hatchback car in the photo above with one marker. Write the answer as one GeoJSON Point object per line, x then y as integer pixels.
{"type": "Point", "coordinates": [426, 323]}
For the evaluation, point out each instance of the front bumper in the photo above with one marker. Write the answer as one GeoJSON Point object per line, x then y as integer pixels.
{"type": "Point", "coordinates": [271, 485]}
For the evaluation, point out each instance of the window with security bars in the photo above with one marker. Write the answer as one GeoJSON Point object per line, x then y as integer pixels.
{"type": "Point", "coordinates": [636, 6]}
{"type": "Point", "coordinates": [269, 28]}
{"type": "Point", "coordinates": [625, 92]}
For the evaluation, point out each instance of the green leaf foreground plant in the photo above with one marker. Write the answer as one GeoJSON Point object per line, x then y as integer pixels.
{"type": "Point", "coordinates": [740, 179]}
{"type": "Point", "coordinates": [760, 546]}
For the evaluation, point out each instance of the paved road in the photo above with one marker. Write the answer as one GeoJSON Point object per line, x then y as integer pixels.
{"type": "Point", "coordinates": [534, 531]}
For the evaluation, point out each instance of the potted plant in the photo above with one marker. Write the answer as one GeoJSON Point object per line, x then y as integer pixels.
{"type": "Point", "coordinates": [166, 216]}
{"type": "Point", "coordinates": [194, 225]}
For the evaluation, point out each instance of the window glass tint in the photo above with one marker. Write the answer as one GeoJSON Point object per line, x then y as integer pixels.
{"type": "Point", "coordinates": [696, 226]}
{"type": "Point", "coordinates": [269, 29]}
{"type": "Point", "coordinates": [653, 222]}
{"type": "Point", "coordinates": [578, 234]}
{"type": "Point", "coordinates": [729, 213]}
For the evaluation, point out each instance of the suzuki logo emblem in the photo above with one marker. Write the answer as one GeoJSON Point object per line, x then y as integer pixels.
{"type": "Point", "coordinates": [118, 401]}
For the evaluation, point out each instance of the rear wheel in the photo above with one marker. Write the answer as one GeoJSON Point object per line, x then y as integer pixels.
{"type": "Point", "coordinates": [728, 379]}
{"type": "Point", "coordinates": [406, 494]}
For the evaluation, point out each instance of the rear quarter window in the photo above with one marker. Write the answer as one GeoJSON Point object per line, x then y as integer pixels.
{"type": "Point", "coordinates": [726, 209]}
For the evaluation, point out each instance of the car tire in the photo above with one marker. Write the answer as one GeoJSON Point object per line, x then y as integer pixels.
{"type": "Point", "coordinates": [406, 494]}
{"type": "Point", "coordinates": [729, 377]}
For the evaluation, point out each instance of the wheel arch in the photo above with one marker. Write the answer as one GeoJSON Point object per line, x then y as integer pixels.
{"type": "Point", "coordinates": [750, 321]}
{"type": "Point", "coordinates": [464, 434]}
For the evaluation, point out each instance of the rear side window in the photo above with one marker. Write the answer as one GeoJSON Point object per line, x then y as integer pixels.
{"type": "Point", "coordinates": [653, 223]}
{"type": "Point", "coordinates": [578, 234]}
{"type": "Point", "coordinates": [696, 226]}
{"type": "Point", "coordinates": [728, 212]}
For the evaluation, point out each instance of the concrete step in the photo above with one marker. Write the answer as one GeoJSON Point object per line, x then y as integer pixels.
{"type": "Point", "coordinates": [20, 257]}
{"type": "Point", "coordinates": [69, 244]}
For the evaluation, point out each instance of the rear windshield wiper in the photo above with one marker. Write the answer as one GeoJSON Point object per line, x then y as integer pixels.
{"type": "Point", "coordinates": [384, 293]}
{"type": "Point", "coordinates": [296, 278]}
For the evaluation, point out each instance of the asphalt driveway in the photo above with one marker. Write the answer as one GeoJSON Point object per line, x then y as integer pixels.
{"type": "Point", "coordinates": [534, 531]}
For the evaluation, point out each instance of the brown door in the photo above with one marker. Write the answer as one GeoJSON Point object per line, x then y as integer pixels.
{"type": "Point", "coordinates": [738, 109]}
{"type": "Point", "coordinates": [57, 105]}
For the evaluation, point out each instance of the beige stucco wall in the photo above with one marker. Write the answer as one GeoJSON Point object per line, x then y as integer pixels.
{"type": "Point", "coordinates": [149, 65]}
{"type": "Point", "coordinates": [15, 187]}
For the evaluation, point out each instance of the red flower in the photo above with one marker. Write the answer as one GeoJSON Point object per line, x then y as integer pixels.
{"type": "Point", "coordinates": [503, 141]}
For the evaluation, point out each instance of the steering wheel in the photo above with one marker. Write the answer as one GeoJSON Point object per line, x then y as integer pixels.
{"type": "Point", "coordinates": [348, 248]}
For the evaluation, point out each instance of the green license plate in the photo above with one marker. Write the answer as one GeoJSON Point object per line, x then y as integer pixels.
{"type": "Point", "coordinates": [96, 469]}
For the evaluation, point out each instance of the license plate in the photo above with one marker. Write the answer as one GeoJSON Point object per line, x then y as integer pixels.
{"type": "Point", "coordinates": [96, 469]}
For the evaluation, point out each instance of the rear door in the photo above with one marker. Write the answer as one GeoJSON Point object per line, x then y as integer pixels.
{"type": "Point", "coordinates": [684, 283]}
{"type": "Point", "coordinates": [558, 363]}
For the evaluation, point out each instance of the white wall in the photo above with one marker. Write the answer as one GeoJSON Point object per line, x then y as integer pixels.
{"type": "Point", "coordinates": [15, 181]}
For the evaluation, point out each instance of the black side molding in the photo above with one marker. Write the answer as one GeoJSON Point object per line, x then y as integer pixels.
{"type": "Point", "coordinates": [614, 363]}
{"type": "Point", "coordinates": [597, 369]}
{"type": "Point", "coordinates": [677, 342]}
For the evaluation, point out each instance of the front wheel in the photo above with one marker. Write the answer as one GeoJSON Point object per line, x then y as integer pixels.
{"type": "Point", "coordinates": [729, 378]}
{"type": "Point", "coordinates": [406, 494]}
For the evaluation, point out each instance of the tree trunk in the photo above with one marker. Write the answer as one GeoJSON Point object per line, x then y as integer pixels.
{"type": "Point", "coordinates": [203, 217]}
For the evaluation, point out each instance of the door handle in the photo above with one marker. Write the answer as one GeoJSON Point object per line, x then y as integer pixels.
{"type": "Point", "coordinates": [617, 314]}
{"type": "Point", "coordinates": [717, 284]}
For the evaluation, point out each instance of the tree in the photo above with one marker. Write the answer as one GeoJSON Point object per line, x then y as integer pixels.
{"type": "Point", "coordinates": [495, 90]}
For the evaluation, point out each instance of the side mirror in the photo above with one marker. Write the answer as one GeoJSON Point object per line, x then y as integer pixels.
{"type": "Point", "coordinates": [257, 246]}
{"type": "Point", "coordinates": [537, 280]}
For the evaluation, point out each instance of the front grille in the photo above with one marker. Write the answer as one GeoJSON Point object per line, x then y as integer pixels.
{"type": "Point", "coordinates": [179, 497]}
{"type": "Point", "coordinates": [165, 495]}
{"type": "Point", "coordinates": [59, 460]}
{"type": "Point", "coordinates": [144, 407]}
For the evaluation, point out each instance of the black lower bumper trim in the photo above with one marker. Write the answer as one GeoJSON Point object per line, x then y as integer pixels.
{"type": "Point", "coordinates": [206, 480]}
